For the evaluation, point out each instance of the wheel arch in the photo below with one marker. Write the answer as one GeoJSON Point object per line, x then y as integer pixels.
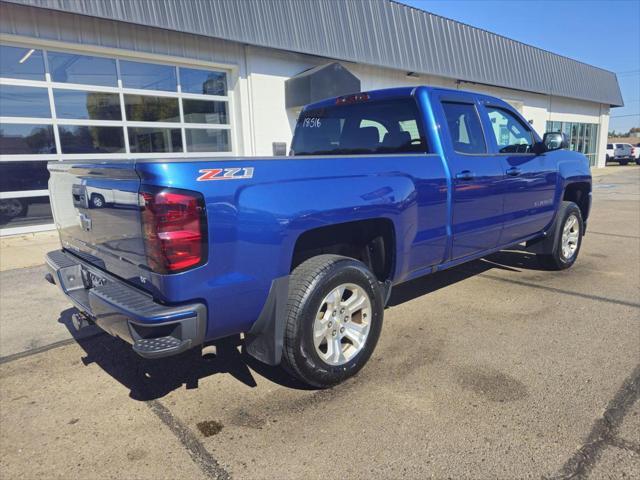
{"type": "Point", "coordinates": [372, 241]}
{"type": "Point", "coordinates": [579, 192]}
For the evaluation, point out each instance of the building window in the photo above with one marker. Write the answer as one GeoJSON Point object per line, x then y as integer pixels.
{"type": "Point", "coordinates": [145, 108]}
{"type": "Point", "coordinates": [21, 62]}
{"type": "Point", "coordinates": [26, 139]}
{"type": "Point", "coordinates": [17, 101]}
{"type": "Point", "coordinates": [80, 105]}
{"type": "Point", "coordinates": [203, 82]}
{"type": "Point", "coordinates": [58, 105]}
{"type": "Point", "coordinates": [24, 200]}
{"type": "Point", "coordinates": [84, 139]}
{"type": "Point", "coordinates": [205, 140]}
{"type": "Point", "coordinates": [204, 111]}
{"type": "Point", "coordinates": [148, 76]}
{"type": "Point", "coordinates": [582, 137]}
{"type": "Point", "coordinates": [71, 68]}
{"type": "Point", "coordinates": [147, 140]}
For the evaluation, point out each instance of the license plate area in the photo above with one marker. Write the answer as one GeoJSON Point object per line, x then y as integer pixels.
{"type": "Point", "coordinates": [91, 279]}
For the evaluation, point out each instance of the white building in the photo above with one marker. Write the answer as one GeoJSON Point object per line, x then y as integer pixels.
{"type": "Point", "coordinates": [107, 79]}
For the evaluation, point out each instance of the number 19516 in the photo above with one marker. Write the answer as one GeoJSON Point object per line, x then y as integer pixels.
{"type": "Point", "coordinates": [311, 122]}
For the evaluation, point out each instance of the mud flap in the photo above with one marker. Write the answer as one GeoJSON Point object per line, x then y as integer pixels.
{"type": "Point", "coordinates": [545, 244]}
{"type": "Point", "coordinates": [265, 339]}
{"type": "Point", "coordinates": [385, 288]}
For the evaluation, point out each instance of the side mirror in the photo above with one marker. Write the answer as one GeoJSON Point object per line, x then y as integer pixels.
{"type": "Point", "coordinates": [554, 141]}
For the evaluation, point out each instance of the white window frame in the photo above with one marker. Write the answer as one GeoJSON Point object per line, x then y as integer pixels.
{"type": "Point", "coordinates": [232, 126]}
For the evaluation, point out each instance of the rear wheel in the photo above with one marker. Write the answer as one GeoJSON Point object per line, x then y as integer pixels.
{"type": "Point", "coordinates": [334, 319]}
{"type": "Point", "coordinates": [97, 200]}
{"type": "Point", "coordinates": [623, 162]}
{"type": "Point", "coordinates": [563, 249]}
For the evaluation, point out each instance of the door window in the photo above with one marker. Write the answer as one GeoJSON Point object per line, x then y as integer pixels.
{"type": "Point", "coordinates": [464, 128]}
{"type": "Point", "coordinates": [512, 135]}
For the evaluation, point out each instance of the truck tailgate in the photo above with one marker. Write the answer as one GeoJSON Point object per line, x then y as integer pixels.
{"type": "Point", "coordinates": [96, 210]}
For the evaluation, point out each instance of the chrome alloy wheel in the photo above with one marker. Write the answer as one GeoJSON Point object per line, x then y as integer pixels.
{"type": "Point", "coordinates": [570, 237]}
{"type": "Point", "coordinates": [342, 324]}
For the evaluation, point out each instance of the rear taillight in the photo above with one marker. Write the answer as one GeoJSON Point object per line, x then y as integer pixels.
{"type": "Point", "coordinates": [174, 229]}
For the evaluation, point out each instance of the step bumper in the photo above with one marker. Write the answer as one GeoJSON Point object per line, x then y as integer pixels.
{"type": "Point", "coordinates": [155, 330]}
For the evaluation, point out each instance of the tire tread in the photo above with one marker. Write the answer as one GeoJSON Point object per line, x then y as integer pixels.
{"type": "Point", "coordinates": [301, 285]}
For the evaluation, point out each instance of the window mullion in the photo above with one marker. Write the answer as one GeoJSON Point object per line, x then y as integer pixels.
{"type": "Point", "coordinates": [123, 112]}
{"type": "Point", "coordinates": [52, 105]}
{"type": "Point", "coordinates": [183, 132]}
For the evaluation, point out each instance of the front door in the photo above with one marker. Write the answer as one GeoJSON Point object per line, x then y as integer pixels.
{"type": "Point", "coordinates": [530, 179]}
{"type": "Point", "coordinates": [477, 195]}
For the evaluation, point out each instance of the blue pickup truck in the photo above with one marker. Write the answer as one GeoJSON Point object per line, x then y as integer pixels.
{"type": "Point", "coordinates": [298, 254]}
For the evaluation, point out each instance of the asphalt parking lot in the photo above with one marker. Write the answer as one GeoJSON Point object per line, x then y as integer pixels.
{"type": "Point", "coordinates": [495, 369]}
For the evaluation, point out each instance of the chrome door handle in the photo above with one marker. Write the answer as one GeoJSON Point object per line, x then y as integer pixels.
{"type": "Point", "coordinates": [465, 175]}
{"type": "Point", "coordinates": [514, 172]}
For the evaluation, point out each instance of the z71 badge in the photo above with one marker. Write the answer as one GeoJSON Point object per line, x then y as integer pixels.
{"type": "Point", "coordinates": [225, 174]}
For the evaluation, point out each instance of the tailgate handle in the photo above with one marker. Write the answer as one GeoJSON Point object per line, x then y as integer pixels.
{"type": "Point", "coordinates": [79, 194]}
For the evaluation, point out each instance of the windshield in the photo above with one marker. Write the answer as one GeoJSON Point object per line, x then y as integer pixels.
{"type": "Point", "coordinates": [389, 126]}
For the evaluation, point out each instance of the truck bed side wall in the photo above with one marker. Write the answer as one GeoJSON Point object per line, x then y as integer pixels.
{"type": "Point", "coordinates": [254, 223]}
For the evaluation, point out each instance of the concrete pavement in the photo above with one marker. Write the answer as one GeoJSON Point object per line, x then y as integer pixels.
{"type": "Point", "coordinates": [23, 251]}
{"type": "Point", "coordinates": [495, 369]}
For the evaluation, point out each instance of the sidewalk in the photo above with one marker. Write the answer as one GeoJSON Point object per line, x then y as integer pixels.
{"type": "Point", "coordinates": [23, 251]}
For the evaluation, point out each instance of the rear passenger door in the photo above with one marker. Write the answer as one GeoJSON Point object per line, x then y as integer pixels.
{"type": "Point", "coordinates": [477, 177]}
{"type": "Point", "coordinates": [530, 178]}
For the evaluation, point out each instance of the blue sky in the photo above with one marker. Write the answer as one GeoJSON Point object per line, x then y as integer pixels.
{"type": "Point", "coordinates": [602, 33]}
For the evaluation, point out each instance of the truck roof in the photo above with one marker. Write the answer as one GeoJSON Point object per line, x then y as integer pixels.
{"type": "Point", "coordinates": [400, 92]}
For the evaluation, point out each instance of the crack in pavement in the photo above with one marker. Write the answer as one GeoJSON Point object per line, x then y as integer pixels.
{"type": "Point", "coordinates": [197, 451]}
{"type": "Point", "coordinates": [604, 431]}
{"type": "Point", "coordinates": [625, 445]}
{"type": "Point", "coordinates": [45, 348]}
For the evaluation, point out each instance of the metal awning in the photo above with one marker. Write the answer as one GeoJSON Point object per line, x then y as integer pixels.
{"type": "Point", "coordinates": [323, 81]}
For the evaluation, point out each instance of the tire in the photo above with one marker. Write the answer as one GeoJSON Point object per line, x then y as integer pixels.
{"type": "Point", "coordinates": [12, 208]}
{"type": "Point", "coordinates": [623, 162]}
{"type": "Point", "coordinates": [97, 200]}
{"type": "Point", "coordinates": [560, 255]}
{"type": "Point", "coordinates": [309, 287]}
{"type": "Point", "coordinates": [637, 161]}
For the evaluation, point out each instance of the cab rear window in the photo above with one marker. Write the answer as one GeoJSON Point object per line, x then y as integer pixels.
{"type": "Point", "coordinates": [372, 127]}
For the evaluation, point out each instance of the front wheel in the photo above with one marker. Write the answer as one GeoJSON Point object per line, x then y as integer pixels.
{"type": "Point", "coordinates": [565, 245]}
{"type": "Point", "coordinates": [623, 162]}
{"type": "Point", "coordinates": [334, 319]}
